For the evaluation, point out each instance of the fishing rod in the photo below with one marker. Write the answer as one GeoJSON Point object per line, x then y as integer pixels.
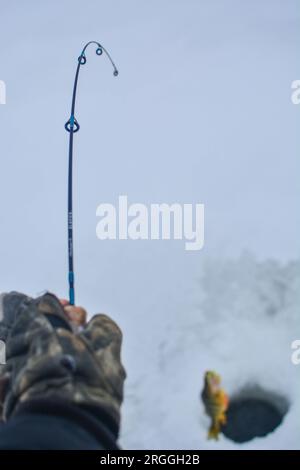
{"type": "Point", "coordinates": [72, 127]}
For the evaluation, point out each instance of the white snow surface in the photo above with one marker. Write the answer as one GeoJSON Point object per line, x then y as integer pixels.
{"type": "Point", "coordinates": [201, 113]}
{"type": "Point", "coordinates": [240, 320]}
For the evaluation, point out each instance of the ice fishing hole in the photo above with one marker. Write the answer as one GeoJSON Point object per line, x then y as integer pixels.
{"type": "Point", "coordinates": [254, 412]}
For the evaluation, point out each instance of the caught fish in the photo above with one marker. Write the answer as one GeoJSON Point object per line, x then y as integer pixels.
{"type": "Point", "coordinates": [216, 402]}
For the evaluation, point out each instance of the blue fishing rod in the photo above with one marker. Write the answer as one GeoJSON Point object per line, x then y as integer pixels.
{"type": "Point", "coordinates": [72, 126]}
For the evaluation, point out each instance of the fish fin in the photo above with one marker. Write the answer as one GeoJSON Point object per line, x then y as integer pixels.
{"type": "Point", "coordinates": [223, 419]}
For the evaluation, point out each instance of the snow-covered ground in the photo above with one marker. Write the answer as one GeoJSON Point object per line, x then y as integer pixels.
{"type": "Point", "coordinates": [240, 319]}
{"type": "Point", "coordinates": [200, 113]}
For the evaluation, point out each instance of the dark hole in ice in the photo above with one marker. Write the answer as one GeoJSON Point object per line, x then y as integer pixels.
{"type": "Point", "coordinates": [254, 413]}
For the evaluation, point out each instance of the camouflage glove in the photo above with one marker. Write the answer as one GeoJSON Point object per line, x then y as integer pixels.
{"type": "Point", "coordinates": [44, 362]}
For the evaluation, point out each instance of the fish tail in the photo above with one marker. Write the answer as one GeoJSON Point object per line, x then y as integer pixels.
{"type": "Point", "coordinates": [214, 431]}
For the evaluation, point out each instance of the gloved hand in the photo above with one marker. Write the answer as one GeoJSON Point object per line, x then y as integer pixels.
{"type": "Point", "coordinates": [48, 361]}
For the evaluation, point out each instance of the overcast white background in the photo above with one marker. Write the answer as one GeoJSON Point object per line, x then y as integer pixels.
{"type": "Point", "coordinates": [201, 112]}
